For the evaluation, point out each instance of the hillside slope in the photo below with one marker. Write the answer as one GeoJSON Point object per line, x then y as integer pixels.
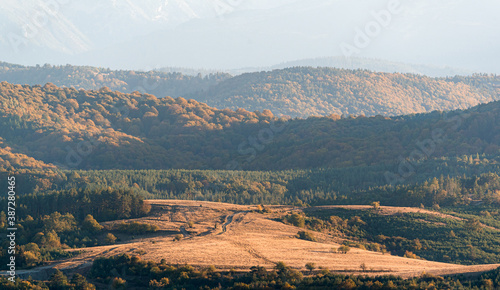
{"type": "Point", "coordinates": [105, 129]}
{"type": "Point", "coordinates": [248, 238]}
{"type": "Point", "coordinates": [306, 91]}
{"type": "Point", "coordinates": [296, 92]}
{"type": "Point", "coordinates": [158, 83]}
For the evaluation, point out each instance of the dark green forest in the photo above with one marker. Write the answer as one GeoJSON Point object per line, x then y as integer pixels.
{"type": "Point", "coordinates": [48, 224]}
{"type": "Point", "coordinates": [312, 187]}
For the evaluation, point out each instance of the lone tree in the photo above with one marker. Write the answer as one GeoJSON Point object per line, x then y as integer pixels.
{"type": "Point", "coordinates": [281, 267]}
{"type": "Point", "coordinates": [310, 267]}
{"type": "Point", "coordinates": [58, 280]}
{"type": "Point", "coordinates": [118, 283]}
{"type": "Point", "coordinates": [91, 225]}
{"type": "Point", "coordinates": [303, 235]}
{"type": "Point", "coordinates": [81, 283]}
{"type": "Point", "coordinates": [343, 249]}
{"type": "Point", "coordinates": [297, 220]}
{"type": "Point", "coordinates": [376, 205]}
{"type": "Point", "coordinates": [110, 238]}
{"type": "Point", "coordinates": [474, 225]}
{"type": "Point", "coordinates": [363, 267]}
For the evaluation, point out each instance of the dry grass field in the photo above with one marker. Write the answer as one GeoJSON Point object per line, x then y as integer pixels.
{"type": "Point", "coordinates": [237, 237]}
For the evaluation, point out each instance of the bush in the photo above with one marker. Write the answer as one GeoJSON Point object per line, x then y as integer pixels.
{"type": "Point", "coordinates": [110, 238]}
{"type": "Point", "coordinates": [58, 280]}
{"type": "Point", "coordinates": [310, 266]}
{"type": "Point", "coordinates": [303, 235]}
{"type": "Point", "coordinates": [343, 249]}
{"type": "Point", "coordinates": [91, 225]}
{"type": "Point", "coordinates": [410, 255]}
{"type": "Point", "coordinates": [296, 220]}
{"type": "Point", "coordinates": [136, 228]}
{"type": "Point", "coordinates": [80, 282]}
{"type": "Point", "coordinates": [118, 283]}
{"type": "Point", "coordinates": [159, 284]}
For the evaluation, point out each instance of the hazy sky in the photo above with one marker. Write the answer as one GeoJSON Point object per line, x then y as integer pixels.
{"type": "Point", "coordinates": [215, 34]}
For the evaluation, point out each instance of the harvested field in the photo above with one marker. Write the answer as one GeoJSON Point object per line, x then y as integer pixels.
{"type": "Point", "coordinates": [237, 237]}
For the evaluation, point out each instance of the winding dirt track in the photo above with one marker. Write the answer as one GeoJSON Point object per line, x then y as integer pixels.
{"type": "Point", "coordinates": [236, 237]}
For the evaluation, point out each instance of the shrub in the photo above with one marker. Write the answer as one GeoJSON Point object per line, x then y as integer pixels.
{"type": "Point", "coordinates": [296, 220]}
{"type": "Point", "coordinates": [110, 238]}
{"type": "Point", "coordinates": [363, 267]}
{"type": "Point", "coordinates": [159, 284]}
{"type": "Point", "coordinates": [303, 235]}
{"type": "Point", "coordinates": [410, 255]}
{"type": "Point", "coordinates": [58, 280]}
{"type": "Point", "coordinates": [136, 228]}
{"type": "Point", "coordinates": [118, 283]}
{"type": "Point", "coordinates": [343, 249]}
{"type": "Point", "coordinates": [91, 225]}
{"type": "Point", "coordinates": [310, 267]}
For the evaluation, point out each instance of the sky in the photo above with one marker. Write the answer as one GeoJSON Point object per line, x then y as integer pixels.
{"type": "Point", "coordinates": [231, 34]}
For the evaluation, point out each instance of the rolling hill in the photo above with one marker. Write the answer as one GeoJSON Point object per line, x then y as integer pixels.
{"type": "Point", "coordinates": [249, 238]}
{"type": "Point", "coordinates": [295, 92]}
{"type": "Point", "coordinates": [157, 83]}
{"type": "Point", "coordinates": [111, 130]}
{"type": "Point", "coordinates": [306, 91]}
{"type": "Point", "coordinates": [376, 65]}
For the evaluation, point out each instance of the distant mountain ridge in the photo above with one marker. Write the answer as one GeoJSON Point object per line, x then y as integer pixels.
{"type": "Point", "coordinates": [93, 78]}
{"type": "Point", "coordinates": [377, 65]}
{"type": "Point", "coordinates": [224, 34]}
{"type": "Point", "coordinates": [340, 62]}
{"type": "Point", "coordinates": [306, 91]}
{"type": "Point", "coordinates": [295, 92]}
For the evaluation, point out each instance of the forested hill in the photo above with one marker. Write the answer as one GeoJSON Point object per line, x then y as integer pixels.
{"type": "Point", "coordinates": [306, 91]}
{"type": "Point", "coordinates": [159, 83]}
{"type": "Point", "coordinates": [106, 129]}
{"type": "Point", "coordinates": [295, 92]}
{"type": "Point", "coordinates": [70, 128]}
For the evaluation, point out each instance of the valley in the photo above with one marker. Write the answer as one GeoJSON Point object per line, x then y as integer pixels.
{"type": "Point", "coordinates": [240, 145]}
